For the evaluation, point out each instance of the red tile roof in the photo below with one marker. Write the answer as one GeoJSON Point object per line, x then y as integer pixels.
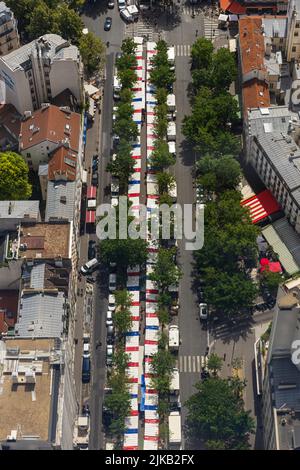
{"type": "Point", "coordinates": [53, 124]}
{"type": "Point", "coordinates": [252, 51]}
{"type": "Point", "coordinates": [8, 309]}
{"type": "Point", "coordinates": [62, 164]}
{"type": "Point", "coordinates": [232, 6]}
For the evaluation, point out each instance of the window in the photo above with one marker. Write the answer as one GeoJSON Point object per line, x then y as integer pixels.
{"type": "Point", "coordinates": [294, 49]}
{"type": "Point", "coordinates": [296, 33]}
{"type": "Point", "coordinates": [281, 40]}
{"type": "Point", "coordinates": [297, 25]}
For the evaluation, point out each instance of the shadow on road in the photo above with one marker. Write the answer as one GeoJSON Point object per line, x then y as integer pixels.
{"type": "Point", "coordinates": [93, 10]}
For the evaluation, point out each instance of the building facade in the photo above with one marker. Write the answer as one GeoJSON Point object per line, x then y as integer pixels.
{"type": "Point", "coordinates": [37, 72]}
{"type": "Point", "coordinates": [9, 37]}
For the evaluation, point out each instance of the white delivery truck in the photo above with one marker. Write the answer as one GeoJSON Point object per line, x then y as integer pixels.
{"type": "Point", "coordinates": [117, 87]}
{"type": "Point", "coordinates": [126, 16]}
{"type": "Point", "coordinates": [175, 430]}
{"type": "Point", "coordinates": [133, 11]}
{"type": "Point", "coordinates": [171, 132]}
{"type": "Point", "coordinates": [171, 102]}
{"type": "Point", "coordinates": [171, 56]}
{"type": "Point", "coordinates": [174, 338]}
{"type": "Point", "coordinates": [172, 148]}
{"type": "Point", "coordinates": [174, 386]}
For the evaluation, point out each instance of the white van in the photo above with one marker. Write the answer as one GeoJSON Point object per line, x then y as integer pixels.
{"type": "Point", "coordinates": [126, 16]}
{"type": "Point", "coordinates": [90, 266]}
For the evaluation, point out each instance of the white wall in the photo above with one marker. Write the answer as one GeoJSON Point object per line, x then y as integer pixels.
{"type": "Point", "coordinates": [17, 88]}
{"type": "Point", "coordinates": [39, 153]}
{"type": "Point", "coordinates": [65, 74]}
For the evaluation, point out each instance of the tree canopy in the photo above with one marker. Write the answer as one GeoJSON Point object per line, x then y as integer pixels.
{"type": "Point", "coordinates": [216, 414]}
{"type": "Point", "coordinates": [92, 51]}
{"type": "Point", "coordinates": [218, 174]}
{"type": "Point", "coordinates": [14, 183]}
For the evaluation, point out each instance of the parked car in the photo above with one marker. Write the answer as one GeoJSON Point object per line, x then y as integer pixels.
{"type": "Point", "coordinates": [118, 55]}
{"type": "Point", "coordinates": [86, 370]}
{"type": "Point", "coordinates": [95, 163]}
{"type": "Point", "coordinates": [109, 321]}
{"type": "Point", "coordinates": [95, 178]}
{"type": "Point", "coordinates": [92, 250]}
{"type": "Point", "coordinates": [112, 285]}
{"type": "Point", "coordinates": [107, 23]}
{"type": "Point", "coordinates": [111, 302]}
{"type": "Point", "coordinates": [86, 350]}
{"type": "Point", "coordinates": [90, 266]}
{"type": "Point", "coordinates": [111, 4]}
{"type": "Point", "coordinates": [203, 311]}
{"type": "Point", "coordinates": [109, 354]}
{"type": "Point", "coordinates": [110, 332]}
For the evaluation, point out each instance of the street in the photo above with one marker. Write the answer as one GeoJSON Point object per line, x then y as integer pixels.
{"type": "Point", "coordinates": [180, 32]}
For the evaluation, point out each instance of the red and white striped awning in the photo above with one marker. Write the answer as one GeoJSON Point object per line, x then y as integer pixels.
{"type": "Point", "coordinates": [261, 205]}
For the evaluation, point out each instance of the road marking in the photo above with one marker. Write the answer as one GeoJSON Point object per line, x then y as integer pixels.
{"type": "Point", "coordinates": [190, 364]}
{"type": "Point", "coordinates": [198, 364]}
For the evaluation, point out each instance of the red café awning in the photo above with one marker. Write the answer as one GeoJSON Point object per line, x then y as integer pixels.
{"type": "Point", "coordinates": [90, 217]}
{"type": "Point", "coordinates": [261, 205]}
{"type": "Point", "coordinates": [91, 192]}
{"type": "Point", "coordinates": [233, 6]}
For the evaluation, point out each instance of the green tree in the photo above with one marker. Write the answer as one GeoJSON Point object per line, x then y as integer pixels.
{"type": "Point", "coordinates": [162, 76]}
{"type": "Point", "coordinates": [161, 157]}
{"type": "Point", "coordinates": [126, 253]}
{"type": "Point", "coordinates": [127, 77]}
{"type": "Point", "coordinates": [166, 182]}
{"type": "Point", "coordinates": [214, 364]}
{"type": "Point", "coordinates": [224, 69]}
{"type": "Point", "coordinates": [43, 20]}
{"type": "Point", "coordinates": [118, 402]}
{"type": "Point", "coordinates": [128, 46]}
{"type": "Point", "coordinates": [165, 272]}
{"type": "Point", "coordinates": [123, 165]}
{"type": "Point", "coordinates": [92, 51]}
{"type": "Point", "coordinates": [69, 24]}
{"type": "Point", "coordinates": [126, 129]}
{"type": "Point", "coordinates": [22, 10]}
{"type": "Point", "coordinates": [219, 175]}
{"type": "Point", "coordinates": [271, 280]}
{"type": "Point", "coordinates": [122, 316]}
{"type": "Point", "coordinates": [162, 365]}
{"type": "Point", "coordinates": [120, 360]}
{"type": "Point", "coordinates": [14, 184]}
{"type": "Point", "coordinates": [216, 414]}
{"type": "Point", "coordinates": [201, 53]}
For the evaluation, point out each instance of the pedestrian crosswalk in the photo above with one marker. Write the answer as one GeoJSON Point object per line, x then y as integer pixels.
{"type": "Point", "coordinates": [182, 50]}
{"type": "Point", "coordinates": [211, 30]}
{"type": "Point", "coordinates": [146, 29]}
{"type": "Point", "coordinates": [191, 364]}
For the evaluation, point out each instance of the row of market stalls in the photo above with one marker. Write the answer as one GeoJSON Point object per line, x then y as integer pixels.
{"type": "Point", "coordinates": [132, 344]}
{"type": "Point", "coordinates": [149, 403]}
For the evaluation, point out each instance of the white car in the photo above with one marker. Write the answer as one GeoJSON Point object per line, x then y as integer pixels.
{"type": "Point", "coordinates": [111, 302]}
{"type": "Point", "coordinates": [86, 350]}
{"type": "Point", "coordinates": [109, 321]}
{"type": "Point", "coordinates": [114, 116]}
{"type": "Point", "coordinates": [109, 354]}
{"type": "Point", "coordinates": [203, 311]}
{"type": "Point", "coordinates": [112, 284]}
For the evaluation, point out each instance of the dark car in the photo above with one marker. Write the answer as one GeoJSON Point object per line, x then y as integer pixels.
{"type": "Point", "coordinates": [91, 250]}
{"type": "Point", "coordinates": [86, 370]}
{"type": "Point", "coordinates": [111, 4]}
{"type": "Point", "coordinates": [95, 163]}
{"type": "Point", "coordinates": [107, 23]}
{"type": "Point", "coordinates": [95, 178]}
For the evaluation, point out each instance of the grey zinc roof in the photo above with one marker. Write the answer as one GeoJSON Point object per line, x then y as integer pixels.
{"type": "Point", "coordinates": [17, 209]}
{"type": "Point", "coordinates": [289, 237]}
{"type": "Point", "coordinates": [70, 52]}
{"type": "Point", "coordinates": [286, 373]}
{"type": "Point", "coordinates": [60, 200]}
{"type": "Point", "coordinates": [41, 315]}
{"type": "Point", "coordinates": [278, 116]}
{"type": "Point", "coordinates": [272, 26]}
{"type": "Point", "coordinates": [37, 276]}
{"type": "Point", "coordinates": [284, 154]}
{"type": "Point", "coordinates": [20, 56]}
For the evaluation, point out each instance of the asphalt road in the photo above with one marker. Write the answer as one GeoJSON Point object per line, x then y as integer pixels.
{"type": "Point", "coordinates": [94, 23]}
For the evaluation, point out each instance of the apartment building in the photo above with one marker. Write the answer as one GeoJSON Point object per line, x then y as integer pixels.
{"type": "Point", "coordinates": [9, 37]}
{"type": "Point", "coordinates": [39, 71]}
{"type": "Point", "coordinates": [250, 7]}
{"type": "Point", "coordinates": [281, 386]}
{"type": "Point", "coordinates": [45, 130]}
{"type": "Point", "coordinates": [276, 159]}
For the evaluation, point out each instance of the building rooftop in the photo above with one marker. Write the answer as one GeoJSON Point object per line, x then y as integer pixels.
{"type": "Point", "coordinates": [50, 46]}
{"type": "Point", "coordinates": [60, 200]}
{"type": "Point", "coordinates": [5, 13]}
{"type": "Point", "coordinates": [8, 309]}
{"type": "Point", "coordinates": [41, 314]}
{"type": "Point", "coordinates": [275, 26]}
{"type": "Point", "coordinates": [19, 210]}
{"type": "Point", "coordinates": [45, 276]}
{"type": "Point", "coordinates": [28, 389]}
{"type": "Point", "coordinates": [45, 240]}
{"type": "Point", "coordinates": [284, 155]}
{"type": "Point", "coordinates": [58, 125]}
{"type": "Point", "coordinates": [10, 120]}
{"type": "Point", "coordinates": [62, 165]}
{"type": "Point", "coordinates": [271, 119]}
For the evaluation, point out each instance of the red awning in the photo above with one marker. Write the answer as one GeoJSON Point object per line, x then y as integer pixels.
{"type": "Point", "coordinates": [261, 205]}
{"type": "Point", "coordinates": [233, 6]}
{"type": "Point", "coordinates": [91, 192]}
{"type": "Point", "coordinates": [90, 217]}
